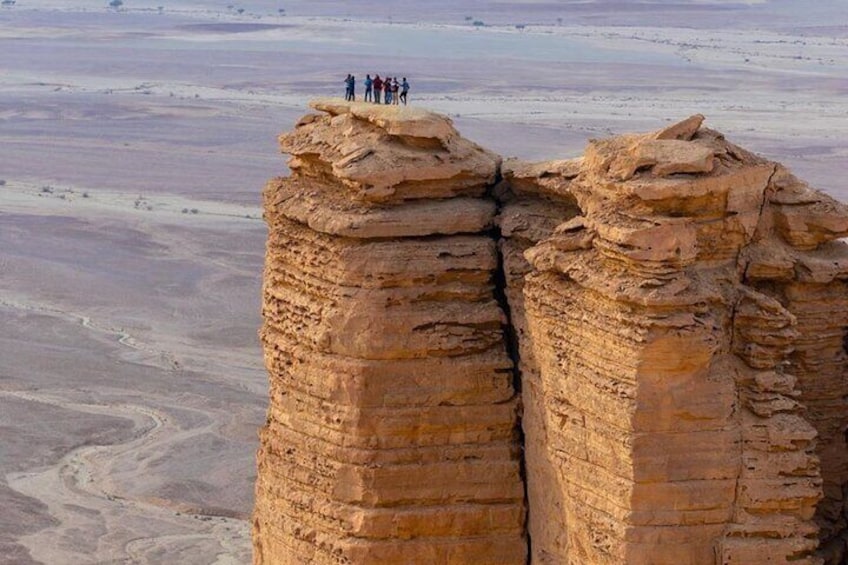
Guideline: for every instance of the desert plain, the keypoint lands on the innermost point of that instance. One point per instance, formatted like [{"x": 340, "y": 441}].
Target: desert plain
[{"x": 135, "y": 143}]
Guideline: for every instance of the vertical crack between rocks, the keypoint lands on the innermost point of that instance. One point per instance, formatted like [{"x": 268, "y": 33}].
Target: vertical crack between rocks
[
  {"x": 510, "y": 335},
  {"x": 743, "y": 270},
  {"x": 511, "y": 345}
]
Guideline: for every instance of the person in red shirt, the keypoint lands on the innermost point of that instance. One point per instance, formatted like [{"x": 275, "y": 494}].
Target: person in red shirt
[{"x": 378, "y": 88}]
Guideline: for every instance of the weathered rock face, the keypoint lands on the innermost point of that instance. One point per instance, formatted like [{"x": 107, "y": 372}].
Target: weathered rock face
[
  {"x": 534, "y": 200},
  {"x": 392, "y": 432},
  {"x": 675, "y": 354},
  {"x": 678, "y": 307}
]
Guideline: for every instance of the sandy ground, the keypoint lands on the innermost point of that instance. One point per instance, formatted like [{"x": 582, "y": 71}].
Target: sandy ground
[
  {"x": 131, "y": 386},
  {"x": 134, "y": 148}
]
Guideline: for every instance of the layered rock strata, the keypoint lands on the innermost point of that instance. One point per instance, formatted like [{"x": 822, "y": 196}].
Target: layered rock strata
[
  {"x": 807, "y": 271},
  {"x": 677, "y": 314},
  {"x": 676, "y": 356},
  {"x": 534, "y": 199},
  {"x": 392, "y": 431}
]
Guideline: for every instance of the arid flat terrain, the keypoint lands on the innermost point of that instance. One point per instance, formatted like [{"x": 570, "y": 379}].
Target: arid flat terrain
[{"x": 136, "y": 142}]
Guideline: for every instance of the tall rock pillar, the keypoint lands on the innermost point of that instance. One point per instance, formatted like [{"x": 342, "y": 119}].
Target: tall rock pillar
[
  {"x": 674, "y": 341},
  {"x": 391, "y": 436}
]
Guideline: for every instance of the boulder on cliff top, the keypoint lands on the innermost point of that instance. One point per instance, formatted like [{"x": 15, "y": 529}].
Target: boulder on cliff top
[
  {"x": 396, "y": 120},
  {"x": 386, "y": 155}
]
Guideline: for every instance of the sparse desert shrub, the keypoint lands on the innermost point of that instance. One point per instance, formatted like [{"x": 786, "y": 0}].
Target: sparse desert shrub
[
  {"x": 2, "y": 182},
  {"x": 185, "y": 210},
  {"x": 8, "y": 3},
  {"x": 478, "y": 23},
  {"x": 116, "y": 3},
  {"x": 85, "y": 195},
  {"x": 194, "y": 210},
  {"x": 47, "y": 189}
]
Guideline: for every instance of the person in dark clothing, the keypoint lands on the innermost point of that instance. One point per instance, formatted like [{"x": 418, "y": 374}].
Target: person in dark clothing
[
  {"x": 395, "y": 88},
  {"x": 378, "y": 88},
  {"x": 387, "y": 90},
  {"x": 352, "y": 88},
  {"x": 347, "y": 87},
  {"x": 368, "y": 82},
  {"x": 404, "y": 89}
]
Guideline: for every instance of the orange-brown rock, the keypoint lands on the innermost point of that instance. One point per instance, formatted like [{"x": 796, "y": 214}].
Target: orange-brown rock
[
  {"x": 667, "y": 314},
  {"x": 392, "y": 430},
  {"x": 534, "y": 200},
  {"x": 674, "y": 325}
]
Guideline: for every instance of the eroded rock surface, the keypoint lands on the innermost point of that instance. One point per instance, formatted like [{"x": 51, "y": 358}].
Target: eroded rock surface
[
  {"x": 677, "y": 315},
  {"x": 392, "y": 430},
  {"x": 674, "y": 325},
  {"x": 534, "y": 199}
]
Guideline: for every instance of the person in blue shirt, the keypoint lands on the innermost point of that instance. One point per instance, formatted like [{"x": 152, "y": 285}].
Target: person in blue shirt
[
  {"x": 352, "y": 88},
  {"x": 404, "y": 89},
  {"x": 368, "y": 82},
  {"x": 347, "y": 87}
]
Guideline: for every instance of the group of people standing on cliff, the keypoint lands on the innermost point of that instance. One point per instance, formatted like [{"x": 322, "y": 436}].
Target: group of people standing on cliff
[{"x": 377, "y": 90}]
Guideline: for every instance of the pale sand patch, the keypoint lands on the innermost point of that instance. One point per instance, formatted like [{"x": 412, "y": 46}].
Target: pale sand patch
[
  {"x": 29, "y": 197},
  {"x": 82, "y": 478}
]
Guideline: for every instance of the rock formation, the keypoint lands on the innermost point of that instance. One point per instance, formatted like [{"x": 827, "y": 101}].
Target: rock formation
[
  {"x": 392, "y": 434},
  {"x": 677, "y": 314},
  {"x": 534, "y": 200},
  {"x": 666, "y": 322}
]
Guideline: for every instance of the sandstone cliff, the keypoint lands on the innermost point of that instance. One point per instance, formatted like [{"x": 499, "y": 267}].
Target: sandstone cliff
[
  {"x": 534, "y": 199},
  {"x": 392, "y": 431},
  {"x": 675, "y": 354},
  {"x": 675, "y": 309}
]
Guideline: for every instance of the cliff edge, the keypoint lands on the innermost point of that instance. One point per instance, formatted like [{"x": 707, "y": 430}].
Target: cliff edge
[
  {"x": 392, "y": 435},
  {"x": 635, "y": 356},
  {"x": 682, "y": 415}
]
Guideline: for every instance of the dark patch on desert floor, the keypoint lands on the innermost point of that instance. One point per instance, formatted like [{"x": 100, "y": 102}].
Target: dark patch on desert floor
[{"x": 135, "y": 148}]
